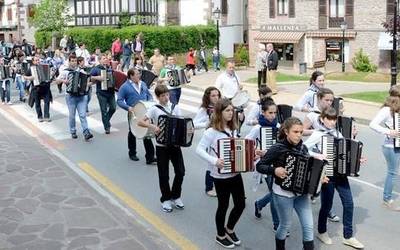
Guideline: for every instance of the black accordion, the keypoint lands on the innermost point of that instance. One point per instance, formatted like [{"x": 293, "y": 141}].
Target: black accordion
[
  {"x": 345, "y": 126},
  {"x": 175, "y": 131},
  {"x": 337, "y": 104},
  {"x": 109, "y": 82},
  {"x": 268, "y": 136},
  {"x": 178, "y": 77},
  {"x": 41, "y": 74},
  {"x": 237, "y": 153},
  {"x": 284, "y": 112},
  {"x": 304, "y": 174},
  {"x": 77, "y": 83},
  {"x": 147, "y": 77},
  {"x": 5, "y": 72},
  {"x": 343, "y": 155}
]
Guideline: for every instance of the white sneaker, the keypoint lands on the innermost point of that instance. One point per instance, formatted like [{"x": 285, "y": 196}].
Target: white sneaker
[
  {"x": 390, "y": 205},
  {"x": 353, "y": 242},
  {"x": 178, "y": 203},
  {"x": 166, "y": 206},
  {"x": 211, "y": 193},
  {"x": 9, "y": 103},
  {"x": 325, "y": 238}
]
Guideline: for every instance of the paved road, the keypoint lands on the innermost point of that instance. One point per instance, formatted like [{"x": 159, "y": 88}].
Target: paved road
[{"x": 107, "y": 154}]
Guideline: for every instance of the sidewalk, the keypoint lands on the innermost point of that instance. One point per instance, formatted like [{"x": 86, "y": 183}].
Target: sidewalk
[
  {"x": 290, "y": 92},
  {"x": 44, "y": 205}
]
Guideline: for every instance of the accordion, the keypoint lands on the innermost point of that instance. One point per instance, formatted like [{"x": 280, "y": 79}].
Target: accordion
[
  {"x": 268, "y": 137},
  {"x": 396, "y": 121},
  {"x": 304, "y": 174},
  {"x": 343, "y": 155},
  {"x": 337, "y": 104},
  {"x": 77, "y": 83},
  {"x": 178, "y": 77},
  {"x": 238, "y": 155},
  {"x": 284, "y": 112},
  {"x": 175, "y": 131},
  {"x": 109, "y": 82},
  {"x": 5, "y": 72},
  {"x": 40, "y": 73},
  {"x": 147, "y": 77},
  {"x": 345, "y": 126}
]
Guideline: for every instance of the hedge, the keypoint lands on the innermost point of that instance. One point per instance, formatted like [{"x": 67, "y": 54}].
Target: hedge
[{"x": 169, "y": 39}]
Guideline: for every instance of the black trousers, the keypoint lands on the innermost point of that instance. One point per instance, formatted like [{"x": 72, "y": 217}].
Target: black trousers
[
  {"x": 148, "y": 146},
  {"x": 262, "y": 77},
  {"x": 164, "y": 155},
  {"x": 225, "y": 188}
]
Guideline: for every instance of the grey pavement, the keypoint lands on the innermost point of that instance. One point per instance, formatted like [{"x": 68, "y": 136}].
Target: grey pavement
[{"x": 45, "y": 205}]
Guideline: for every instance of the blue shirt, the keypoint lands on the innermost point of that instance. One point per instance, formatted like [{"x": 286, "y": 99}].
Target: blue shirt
[{"x": 128, "y": 96}]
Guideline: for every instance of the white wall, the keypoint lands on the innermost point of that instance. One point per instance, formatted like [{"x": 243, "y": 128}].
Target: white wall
[
  {"x": 228, "y": 36},
  {"x": 193, "y": 12},
  {"x": 162, "y": 12}
]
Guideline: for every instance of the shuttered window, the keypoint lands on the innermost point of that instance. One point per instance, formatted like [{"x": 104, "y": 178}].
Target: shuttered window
[
  {"x": 292, "y": 9},
  {"x": 323, "y": 17},
  {"x": 271, "y": 8},
  {"x": 389, "y": 9},
  {"x": 350, "y": 14}
]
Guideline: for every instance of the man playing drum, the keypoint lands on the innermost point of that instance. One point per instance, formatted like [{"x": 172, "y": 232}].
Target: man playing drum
[{"x": 130, "y": 93}]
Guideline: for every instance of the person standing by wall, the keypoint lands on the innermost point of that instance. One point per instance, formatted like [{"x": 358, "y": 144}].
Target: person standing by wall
[
  {"x": 261, "y": 66},
  {"x": 272, "y": 65}
]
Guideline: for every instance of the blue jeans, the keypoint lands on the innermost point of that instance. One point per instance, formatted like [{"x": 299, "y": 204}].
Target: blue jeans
[
  {"x": 285, "y": 206},
  {"x": 392, "y": 157},
  {"x": 89, "y": 97},
  {"x": 216, "y": 65},
  {"x": 20, "y": 84},
  {"x": 341, "y": 184},
  {"x": 175, "y": 95},
  {"x": 75, "y": 103},
  {"x": 6, "y": 93},
  {"x": 126, "y": 61},
  {"x": 209, "y": 181},
  {"x": 261, "y": 203},
  {"x": 107, "y": 107}
]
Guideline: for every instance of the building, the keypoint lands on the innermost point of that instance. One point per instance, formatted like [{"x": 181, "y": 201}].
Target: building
[
  {"x": 309, "y": 31},
  {"x": 14, "y": 24}
]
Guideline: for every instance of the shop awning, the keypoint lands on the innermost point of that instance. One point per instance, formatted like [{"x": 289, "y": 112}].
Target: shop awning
[
  {"x": 331, "y": 34},
  {"x": 385, "y": 41},
  {"x": 279, "y": 37}
]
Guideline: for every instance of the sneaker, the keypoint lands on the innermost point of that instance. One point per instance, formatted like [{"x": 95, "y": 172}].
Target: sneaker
[
  {"x": 313, "y": 200},
  {"x": 324, "y": 237},
  {"x": 47, "y": 119},
  {"x": 257, "y": 211},
  {"x": 4, "y": 103},
  {"x": 152, "y": 162},
  {"x": 166, "y": 206},
  {"x": 390, "y": 205},
  {"x": 74, "y": 136},
  {"x": 107, "y": 131},
  {"x": 178, "y": 203},
  {"x": 353, "y": 242},
  {"x": 211, "y": 193},
  {"x": 88, "y": 136},
  {"x": 333, "y": 217},
  {"x": 225, "y": 242},
  {"x": 9, "y": 103},
  {"x": 232, "y": 238},
  {"x": 40, "y": 119}
]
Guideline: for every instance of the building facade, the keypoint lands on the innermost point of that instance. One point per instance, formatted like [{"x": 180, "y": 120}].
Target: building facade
[{"x": 309, "y": 30}]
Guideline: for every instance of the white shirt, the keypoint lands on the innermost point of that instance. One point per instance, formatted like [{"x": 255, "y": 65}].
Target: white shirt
[
  {"x": 227, "y": 84},
  {"x": 154, "y": 112},
  {"x": 252, "y": 116},
  {"x": 83, "y": 53},
  {"x": 308, "y": 99},
  {"x": 201, "y": 120},
  {"x": 383, "y": 123},
  {"x": 207, "y": 148},
  {"x": 137, "y": 87}
]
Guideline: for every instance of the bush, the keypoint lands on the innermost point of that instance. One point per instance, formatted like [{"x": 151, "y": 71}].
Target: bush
[
  {"x": 242, "y": 55},
  {"x": 169, "y": 39},
  {"x": 362, "y": 63}
]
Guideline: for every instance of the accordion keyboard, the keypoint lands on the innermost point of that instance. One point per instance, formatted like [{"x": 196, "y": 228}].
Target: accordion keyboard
[
  {"x": 327, "y": 149},
  {"x": 225, "y": 147}
]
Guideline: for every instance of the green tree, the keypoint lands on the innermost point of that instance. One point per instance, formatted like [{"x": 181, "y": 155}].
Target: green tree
[{"x": 51, "y": 15}]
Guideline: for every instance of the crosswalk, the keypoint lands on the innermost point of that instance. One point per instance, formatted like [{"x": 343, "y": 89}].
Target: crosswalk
[{"x": 58, "y": 129}]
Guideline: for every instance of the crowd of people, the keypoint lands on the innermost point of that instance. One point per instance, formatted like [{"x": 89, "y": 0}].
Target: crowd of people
[{"x": 220, "y": 118}]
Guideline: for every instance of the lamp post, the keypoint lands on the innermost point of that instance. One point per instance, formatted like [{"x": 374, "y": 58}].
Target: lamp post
[
  {"x": 343, "y": 27},
  {"x": 217, "y": 16},
  {"x": 393, "y": 67}
]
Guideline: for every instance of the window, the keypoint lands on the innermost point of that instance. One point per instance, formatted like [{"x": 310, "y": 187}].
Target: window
[
  {"x": 224, "y": 7},
  {"x": 31, "y": 11},
  {"x": 336, "y": 8},
  {"x": 283, "y": 7},
  {"x": 9, "y": 14}
]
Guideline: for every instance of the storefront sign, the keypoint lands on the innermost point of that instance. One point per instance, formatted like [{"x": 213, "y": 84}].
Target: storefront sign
[{"x": 282, "y": 27}]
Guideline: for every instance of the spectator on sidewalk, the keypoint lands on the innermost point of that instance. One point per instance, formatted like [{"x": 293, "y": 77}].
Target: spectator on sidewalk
[
  {"x": 216, "y": 59},
  {"x": 63, "y": 43},
  {"x": 138, "y": 46},
  {"x": 157, "y": 60},
  {"x": 83, "y": 52},
  {"x": 190, "y": 61},
  {"x": 272, "y": 65},
  {"x": 116, "y": 49},
  {"x": 126, "y": 55},
  {"x": 261, "y": 59},
  {"x": 203, "y": 59}
]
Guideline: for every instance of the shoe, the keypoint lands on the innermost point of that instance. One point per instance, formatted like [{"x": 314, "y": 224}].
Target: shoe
[
  {"x": 88, "y": 113},
  {"x": 178, "y": 203},
  {"x": 88, "y": 136},
  {"x": 4, "y": 103},
  {"x": 152, "y": 162},
  {"x": 232, "y": 238},
  {"x": 40, "y": 119},
  {"x": 47, "y": 119},
  {"x": 225, "y": 242},
  {"x": 74, "y": 136},
  {"x": 133, "y": 158},
  {"x": 166, "y": 206},
  {"x": 324, "y": 237},
  {"x": 107, "y": 131},
  {"x": 211, "y": 193},
  {"x": 390, "y": 205},
  {"x": 257, "y": 211},
  {"x": 9, "y": 103},
  {"x": 313, "y": 200},
  {"x": 333, "y": 217},
  {"x": 353, "y": 242}
]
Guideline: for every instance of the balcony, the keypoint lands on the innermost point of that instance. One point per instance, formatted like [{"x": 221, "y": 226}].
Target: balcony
[{"x": 334, "y": 22}]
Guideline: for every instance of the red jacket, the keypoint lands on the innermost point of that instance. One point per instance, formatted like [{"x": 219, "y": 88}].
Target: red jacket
[
  {"x": 190, "y": 58},
  {"x": 116, "y": 47}
]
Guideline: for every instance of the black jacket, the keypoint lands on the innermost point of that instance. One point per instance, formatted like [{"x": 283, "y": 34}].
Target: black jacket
[
  {"x": 276, "y": 157},
  {"x": 272, "y": 60}
]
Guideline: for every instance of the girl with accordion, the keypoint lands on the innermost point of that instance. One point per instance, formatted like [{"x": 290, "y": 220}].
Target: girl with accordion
[
  {"x": 273, "y": 163},
  {"x": 202, "y": 120},
  {"x": 223, "y": 126},
  {"x": 308, "y": 101},
  {"x": 327, "y": 127}
]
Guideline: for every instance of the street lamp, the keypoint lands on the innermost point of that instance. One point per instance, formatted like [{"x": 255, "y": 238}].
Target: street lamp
[
  {"x": 217, "y": 16},
  {"x": 393, "y": 67},
  {"x": 343, "y": 27}
]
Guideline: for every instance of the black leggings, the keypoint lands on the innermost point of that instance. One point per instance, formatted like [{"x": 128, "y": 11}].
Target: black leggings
[{"x": 224, "y": 188}]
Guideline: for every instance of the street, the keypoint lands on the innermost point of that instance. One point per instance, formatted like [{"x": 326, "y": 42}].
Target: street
[{"x": 375, "y": 227}]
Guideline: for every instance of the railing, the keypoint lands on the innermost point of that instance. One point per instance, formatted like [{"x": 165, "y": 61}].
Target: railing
[{"x": 334, "y": 22}]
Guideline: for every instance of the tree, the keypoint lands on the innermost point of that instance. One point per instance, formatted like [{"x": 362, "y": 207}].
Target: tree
[
  {"x": 388, "y": 25},
  {"x": 51, "y": 15}
]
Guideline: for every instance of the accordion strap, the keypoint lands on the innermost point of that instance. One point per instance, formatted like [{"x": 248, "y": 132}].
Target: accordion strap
[{"x": 164, "y": 110}]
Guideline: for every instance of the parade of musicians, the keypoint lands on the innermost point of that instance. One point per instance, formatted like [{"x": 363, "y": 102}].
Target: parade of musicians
[{"x": 199, "y": 124}]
